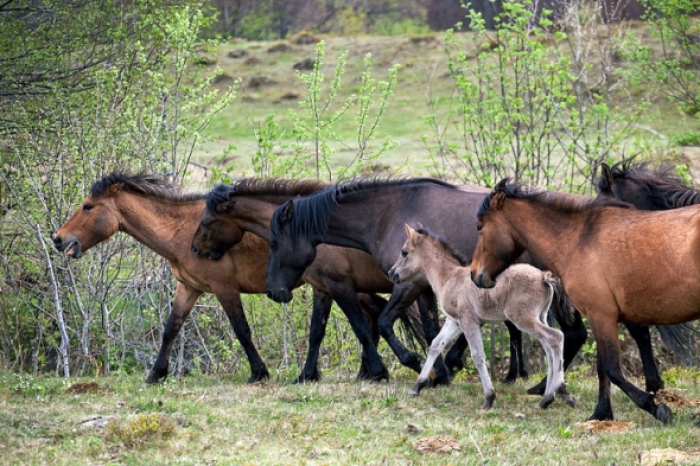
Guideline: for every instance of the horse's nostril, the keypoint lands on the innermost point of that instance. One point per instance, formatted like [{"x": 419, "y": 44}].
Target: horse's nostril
[{"x": 57, "y": 240}]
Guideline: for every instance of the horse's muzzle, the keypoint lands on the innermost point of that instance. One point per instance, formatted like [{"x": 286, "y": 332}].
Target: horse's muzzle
[
  {"x": 393, "y": 276},
  {"x": 70, "y": 247},
  {"x": 283, "y": 295},
  {"x": 482, "y": 281}
]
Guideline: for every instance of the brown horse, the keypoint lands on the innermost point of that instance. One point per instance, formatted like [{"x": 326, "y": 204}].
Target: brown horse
[
  {"x": 523, "y": 296},
  {"x": 617, "y": 264},
  {"x": 159, "y": 216}
]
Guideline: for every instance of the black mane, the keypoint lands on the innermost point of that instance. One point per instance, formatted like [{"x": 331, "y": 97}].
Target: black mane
[
  {"x": 261, "y": 186},
  {"x": 446, "y": 246},
  {"x": 143, "y": 184},
  {"x": 561, "y": 201},
  {"x": 312, "y": 213},
  {"x": 666, "y": 189}
]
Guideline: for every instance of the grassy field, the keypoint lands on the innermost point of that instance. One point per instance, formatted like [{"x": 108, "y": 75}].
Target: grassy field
[{"x": 222, "y": 420}]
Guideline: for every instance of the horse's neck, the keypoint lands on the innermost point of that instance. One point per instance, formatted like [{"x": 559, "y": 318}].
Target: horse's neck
[
  {"x": 254, "y": 214},
  {"x": 354, "y": 224},
  {"x": 440, "y": 270},
  {"x": 165, "y": 227},
  {"x": 546, "y": 234}
]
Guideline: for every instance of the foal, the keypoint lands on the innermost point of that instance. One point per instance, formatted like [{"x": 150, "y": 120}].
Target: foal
[{"x": 523, "y": 298}]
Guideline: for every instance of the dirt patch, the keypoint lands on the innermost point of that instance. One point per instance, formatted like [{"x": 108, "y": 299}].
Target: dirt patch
[
  {"x": 84, "y": 387},
  {"x": 238, "y": 53},
  {"x": 666, "y": 456},
  {"x": 280, "y": 48},
  {"x": 436, "y": 444},
  {"x": 260, "y": 81},
  {"x": 596, "y": 427},
  {"x": 306, "y": 64},
  {"x": 305, "y": 38},
  {"x": 672, "y": 398},
  {"x": 252, "y": 61}
]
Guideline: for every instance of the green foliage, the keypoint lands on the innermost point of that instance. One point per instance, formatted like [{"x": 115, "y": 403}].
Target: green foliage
[
  {"x": 689, "y": 138},
  {"x": 144, "y": 429}
]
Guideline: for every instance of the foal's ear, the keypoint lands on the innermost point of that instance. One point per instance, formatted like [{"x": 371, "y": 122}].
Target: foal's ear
[
  {"x": 498, "y": 200},
  {"x": 410, "y": 232},
  {"x": 288, "y": 211},
  {"x": 227, "y": 205}
]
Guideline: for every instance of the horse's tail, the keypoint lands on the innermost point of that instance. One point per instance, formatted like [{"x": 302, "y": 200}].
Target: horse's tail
[
  {"x": 680, "y": 339},
  {"x": 560, "y": 303},
  {"x": 413, "y": 326}
]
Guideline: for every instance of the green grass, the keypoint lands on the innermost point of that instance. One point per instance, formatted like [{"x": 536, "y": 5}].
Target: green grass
[{"x": 222, "y": 420}]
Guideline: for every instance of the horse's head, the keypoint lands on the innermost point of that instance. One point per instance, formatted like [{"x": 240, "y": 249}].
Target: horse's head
[
  {"x": 496, "y": 247},
  {"x": 616, "y": 182},
  {"x": 217, "y": 231},
  {"x": 290, "y": 254},
  {"x": 94, "y": 221},
  {"x": 407, "y": 266}
]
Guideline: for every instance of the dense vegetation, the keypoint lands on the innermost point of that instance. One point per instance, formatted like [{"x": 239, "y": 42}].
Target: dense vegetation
[{"x": 89, "y": 87}]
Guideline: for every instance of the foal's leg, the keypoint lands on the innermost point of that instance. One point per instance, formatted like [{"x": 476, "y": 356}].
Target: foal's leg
[
  {"x": 605, "y": 332},
  {"x": 447, "y": 336},
  {"x": 182, "y": 304},
  {"x": 322, "y": 303},
  {"x": 517, "y": 364},
  {"x": 231, "y": 302},
  {"x": 574, "y": 337},
  {"x": 641, "y": 336},
  {"x": 472, "y": 330}
]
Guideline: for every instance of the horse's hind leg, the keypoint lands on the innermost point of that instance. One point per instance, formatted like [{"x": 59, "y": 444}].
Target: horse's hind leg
[
  {"x": 574, "y": 337},
  {"x": 605, "y": 332},
  {"x": 472, "y": 331},
  {"x": 447, "y": 336},
  {"x": 182, "y": 304},
  {"x": 231, "y": 302},
  {"x": 641, "y": 336},
  {"x": 517, "y": 364},
  {"x": 322, "y": 303}
]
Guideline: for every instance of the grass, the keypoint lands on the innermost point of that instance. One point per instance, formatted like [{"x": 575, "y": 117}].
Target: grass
[{"x": 221, "y": 420}]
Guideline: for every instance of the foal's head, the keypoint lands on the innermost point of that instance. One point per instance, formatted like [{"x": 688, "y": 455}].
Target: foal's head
[
  {"x": 95, "y": 220},
  {"x": 419, "y": 246},
  {"x": 217, "y": 231}
]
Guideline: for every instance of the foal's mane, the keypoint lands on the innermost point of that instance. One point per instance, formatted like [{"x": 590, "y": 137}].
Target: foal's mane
[
  {"x": 564, "y": 202},
  {"x": 667, "y": 190},
  {"x": 261, "y": 186},
  {"x": 143, "y": 184},
  {"x": 312, "y": 213},
  {"x": 447, "y": 247}
]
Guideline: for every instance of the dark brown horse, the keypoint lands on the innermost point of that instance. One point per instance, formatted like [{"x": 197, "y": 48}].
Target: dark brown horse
[
  {"x": 247, "y": 206},
  {"x": 617, "y": 264},
  {"x": 371, "y": 215},
  {"x": 159, "y": 216}
]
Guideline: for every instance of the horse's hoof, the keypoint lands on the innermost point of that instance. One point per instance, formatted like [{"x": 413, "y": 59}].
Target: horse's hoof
[
  {"x": 570, "y": 401},
  {"x": 564, "y": 395},
  {"x": 413, "y": 393},
  {"x": 380, "y": 378},
  {"x": 538, "y": 389},
  {"x": 263, "y": 374},
  {"x": 601, "y": 416},
  {"x": 663, "y": 413},
  {"x": 154, "y": 378},
  {"x": 488, "y": 401},
  {"x": 509, "y": 380},
  {"x": 523, "y": 375},
  {"x": 419, "y": 385},
  {"x": 546, "y": 401}
]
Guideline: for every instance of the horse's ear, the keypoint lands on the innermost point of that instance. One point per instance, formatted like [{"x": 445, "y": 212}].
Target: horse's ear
[
  {"x": 410, "y": 232},
  {"x": 114, "y": 188},
  {"x": 288, "y": 211},
  {"x": 498, "y": 200},
  {"x": 606, "y": 176},
  {"x": 228, "y": 205}
]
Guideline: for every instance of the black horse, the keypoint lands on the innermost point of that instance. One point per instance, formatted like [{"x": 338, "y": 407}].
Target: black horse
[{"x": 371, "y": 215}]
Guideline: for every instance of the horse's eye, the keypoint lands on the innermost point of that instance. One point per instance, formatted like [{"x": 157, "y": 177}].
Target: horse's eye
[
  {"x": 479, "y": 226},
  {"x": 87, "y": 207},
  {"x": 404, "y": 253}
]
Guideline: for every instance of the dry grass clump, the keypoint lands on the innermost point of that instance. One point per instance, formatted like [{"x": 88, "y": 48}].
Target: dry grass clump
[
  {"x": 673, "y": 398},
  {"x": 143, "y": 429},
  {"x": 596, "y": 427},
  {"x": 436, "y": 444}
]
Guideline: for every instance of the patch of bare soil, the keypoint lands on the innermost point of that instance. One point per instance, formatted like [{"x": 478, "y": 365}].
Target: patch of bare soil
[
  {"x": 667, "y": 456},
  {"x": 84, "y": 387},
  {"x": 436, "y": 444},
  {"x": 596, "y": 427},
  {"x": 672, "y": 397}
]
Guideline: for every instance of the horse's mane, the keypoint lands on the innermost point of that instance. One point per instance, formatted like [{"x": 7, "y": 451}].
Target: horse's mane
[
  {"x": 666, "y": 189},
  {"x": 565, "y": 202},
  {"x": 143, "y": 184},
  {"x": 447, "y": 247},
  {"x": 260, "y": 186},
  {"x": 312, "y": 213}
]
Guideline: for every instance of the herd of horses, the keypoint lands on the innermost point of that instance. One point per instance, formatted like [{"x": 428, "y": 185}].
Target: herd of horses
[{"x": 616, "y": 262}]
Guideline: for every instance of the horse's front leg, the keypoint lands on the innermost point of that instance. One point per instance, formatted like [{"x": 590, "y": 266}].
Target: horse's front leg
[
  {"x": 322, "y": 303},
  {"x": 231, "y": 302},
  {"x": 472, "y": 330},
  {"x": 447, "y": 336},
  {"x": 641, "y": 336},
  {"x": 182, "y": 304},
  {"x": 605, "y": 332}
]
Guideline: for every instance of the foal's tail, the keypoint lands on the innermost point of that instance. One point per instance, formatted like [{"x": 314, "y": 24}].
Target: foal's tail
[
  {"x": 561, "y": 304},
  {"x": 413, "y": 326},
  {"x": 681, "y": 340}
]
